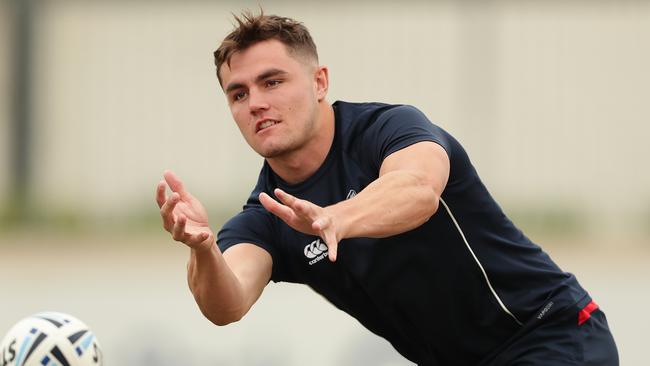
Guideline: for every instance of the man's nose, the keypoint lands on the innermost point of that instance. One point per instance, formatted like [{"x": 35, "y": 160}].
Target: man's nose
[{"x": 257, "y": 101}]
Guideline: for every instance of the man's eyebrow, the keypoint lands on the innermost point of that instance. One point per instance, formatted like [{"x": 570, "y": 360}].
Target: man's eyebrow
[
  {"x": 270, "y": 73},
  {"x": 233, "y": 86},
  {"x": 265, "y": 75}
]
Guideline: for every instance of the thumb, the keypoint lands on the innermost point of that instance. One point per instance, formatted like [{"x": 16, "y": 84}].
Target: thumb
[
  {"x": 332, "y": 249},
  {"x": 324, "y": 226}
]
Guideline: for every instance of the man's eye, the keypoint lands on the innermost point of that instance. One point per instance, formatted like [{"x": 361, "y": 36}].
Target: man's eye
[
  {"x": 271, "y": 83},
  {"x": 239, "y": 96}
]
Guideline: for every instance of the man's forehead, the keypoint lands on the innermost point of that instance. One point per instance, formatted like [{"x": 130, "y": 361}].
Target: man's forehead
[
  {"x": 254, "y": 59},
  {"x": 264, "y": 47},
  {"x": 258, "y": 59}
]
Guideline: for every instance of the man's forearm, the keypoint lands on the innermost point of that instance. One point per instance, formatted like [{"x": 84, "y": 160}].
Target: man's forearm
[
  {"x": 396, "y": 202},
  {"x": 215, "y": 287}
]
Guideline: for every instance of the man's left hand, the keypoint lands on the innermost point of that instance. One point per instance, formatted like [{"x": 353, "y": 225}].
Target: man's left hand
[{"x": 305, "y": 217}]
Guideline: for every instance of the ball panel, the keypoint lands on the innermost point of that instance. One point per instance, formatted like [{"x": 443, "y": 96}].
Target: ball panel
[{"x": 48, "y": 339}]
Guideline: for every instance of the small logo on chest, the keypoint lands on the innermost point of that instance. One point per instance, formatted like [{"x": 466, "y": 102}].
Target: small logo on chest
[
  {"x": 351, "y": 194},
  {"x": 316, "y": 251}
]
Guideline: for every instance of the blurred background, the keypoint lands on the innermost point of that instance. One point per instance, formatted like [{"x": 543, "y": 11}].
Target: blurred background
[{"x": 97, "y": 98}]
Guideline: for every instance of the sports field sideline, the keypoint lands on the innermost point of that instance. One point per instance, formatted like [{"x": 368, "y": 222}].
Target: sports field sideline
[{"x": 133, "y": 294}]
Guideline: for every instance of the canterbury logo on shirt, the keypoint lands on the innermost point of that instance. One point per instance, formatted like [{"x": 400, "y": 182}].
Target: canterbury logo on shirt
[{"x": 316, "y": 251}]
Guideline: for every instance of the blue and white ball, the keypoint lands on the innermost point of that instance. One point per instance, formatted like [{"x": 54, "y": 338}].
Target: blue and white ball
[{"x": 50, "y": 339}]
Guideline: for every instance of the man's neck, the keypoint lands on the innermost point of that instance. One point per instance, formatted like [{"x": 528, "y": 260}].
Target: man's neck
[{"x": 299, "y": 165}]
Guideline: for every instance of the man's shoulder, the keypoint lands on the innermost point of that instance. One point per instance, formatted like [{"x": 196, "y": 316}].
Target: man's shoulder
[
  {"x": 356, "y": 110},
  {"x": 360, "y": 105},
  {"x": 369, "y": 112}
]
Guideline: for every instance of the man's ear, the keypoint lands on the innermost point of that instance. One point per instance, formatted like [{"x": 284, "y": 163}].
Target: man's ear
[{"x": 321, "y": 78}]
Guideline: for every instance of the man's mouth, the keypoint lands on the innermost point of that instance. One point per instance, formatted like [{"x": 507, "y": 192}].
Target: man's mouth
[{"x": 266, "y": 124}]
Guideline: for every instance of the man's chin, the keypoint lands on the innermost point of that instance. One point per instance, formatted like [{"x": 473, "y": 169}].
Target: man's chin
[
  {"x": 277, "y": 152},
  {"x": 273, "y": 153}
]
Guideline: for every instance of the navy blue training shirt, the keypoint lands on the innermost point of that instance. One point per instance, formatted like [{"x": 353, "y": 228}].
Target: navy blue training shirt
[{"x": 449, "y": 292}]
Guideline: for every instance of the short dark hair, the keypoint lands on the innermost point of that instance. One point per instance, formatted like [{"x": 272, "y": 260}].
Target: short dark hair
[{"x": 251, "y": 29}]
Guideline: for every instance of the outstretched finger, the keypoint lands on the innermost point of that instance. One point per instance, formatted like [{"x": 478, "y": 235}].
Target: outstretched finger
[
  {"x": 305, "y": 209},
  {"x": 283, "y": 212},
  {"x": 174, "y": 182},
  {"x": 178, "y": 232},
  {"x": 285, "y": 197},
  {"x": 161, "y": 197},
  {"x": 167, "y": 211},
  {"x": 302, "y": 208}
]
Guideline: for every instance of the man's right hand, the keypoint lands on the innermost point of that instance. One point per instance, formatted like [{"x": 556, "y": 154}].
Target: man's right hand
[
  {"x": 225, "y": 286},
  {"x": 183, "y": 215}
]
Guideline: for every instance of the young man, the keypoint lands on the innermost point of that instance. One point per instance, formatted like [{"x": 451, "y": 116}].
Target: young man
[{"x": 382, "y": 213}]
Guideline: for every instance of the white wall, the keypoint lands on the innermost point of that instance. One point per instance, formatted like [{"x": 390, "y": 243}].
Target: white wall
[{"x": 549, "y": 99}]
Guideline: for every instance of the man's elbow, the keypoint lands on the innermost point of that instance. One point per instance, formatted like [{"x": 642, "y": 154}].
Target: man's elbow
[
  {"x": 222, "y": 318},
  {"x": 434, "y": 200},
  {"x": 428, "y": 195},
  {"x": 429, "y": 198},
  {"x": 430, "y": 203},
  {"x": 219, "y": 313}
]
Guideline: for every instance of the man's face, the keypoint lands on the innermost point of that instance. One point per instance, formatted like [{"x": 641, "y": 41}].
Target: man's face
[{"x": 273, "y": 97}]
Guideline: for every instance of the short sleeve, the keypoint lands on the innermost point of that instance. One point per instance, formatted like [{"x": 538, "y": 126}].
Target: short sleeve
[
  {"x": 399, "y": 127},
  {"x": 253, "y": 225}
]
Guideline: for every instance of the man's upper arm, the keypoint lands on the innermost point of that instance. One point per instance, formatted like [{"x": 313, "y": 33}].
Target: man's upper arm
[
  {"x": 426, "y": 159},
  {"x": 252, "y": 265}
]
